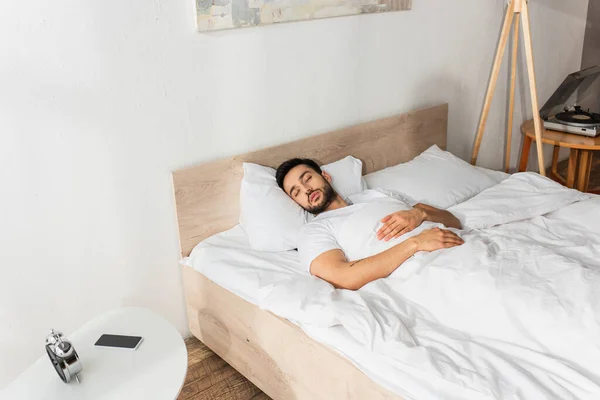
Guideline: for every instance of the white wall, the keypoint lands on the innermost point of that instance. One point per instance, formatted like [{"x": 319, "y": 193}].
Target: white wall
[{"x": 101, "y": 100}]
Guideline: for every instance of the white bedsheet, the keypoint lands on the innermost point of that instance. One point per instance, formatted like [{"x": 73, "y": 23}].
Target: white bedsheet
[{"x": 514, "y": 313}]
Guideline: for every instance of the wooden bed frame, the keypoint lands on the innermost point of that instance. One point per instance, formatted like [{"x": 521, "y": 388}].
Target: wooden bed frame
[{"x": 270, "y": 351}]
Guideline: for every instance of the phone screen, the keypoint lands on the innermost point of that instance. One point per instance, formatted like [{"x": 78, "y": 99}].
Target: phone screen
[{"x": 126, "y": 342}]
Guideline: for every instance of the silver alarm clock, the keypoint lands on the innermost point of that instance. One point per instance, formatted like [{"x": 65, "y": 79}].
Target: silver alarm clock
[{"x": 63, "y": 356}]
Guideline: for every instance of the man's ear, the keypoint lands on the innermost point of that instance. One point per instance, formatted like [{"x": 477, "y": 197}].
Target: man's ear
[{"x": 326, "y": 176}]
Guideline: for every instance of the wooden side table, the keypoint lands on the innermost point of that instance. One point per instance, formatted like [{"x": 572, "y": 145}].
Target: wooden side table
[{"x": 580, "y": 158}]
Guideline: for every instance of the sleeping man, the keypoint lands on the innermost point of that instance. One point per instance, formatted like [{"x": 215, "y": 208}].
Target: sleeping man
[{"x": 354, "y": 241}]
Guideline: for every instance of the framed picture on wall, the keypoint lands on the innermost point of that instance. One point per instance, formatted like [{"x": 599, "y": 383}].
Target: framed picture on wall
[{"x": 227, "y": 14}]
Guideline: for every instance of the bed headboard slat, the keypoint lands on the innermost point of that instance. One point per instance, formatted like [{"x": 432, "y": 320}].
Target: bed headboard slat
[{"x": 207, "y": 195}]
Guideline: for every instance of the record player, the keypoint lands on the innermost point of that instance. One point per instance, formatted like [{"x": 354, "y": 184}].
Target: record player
[{"x": 575, "y": 105}]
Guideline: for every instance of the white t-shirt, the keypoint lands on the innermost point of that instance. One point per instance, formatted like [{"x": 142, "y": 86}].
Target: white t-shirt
[{"x": 352, "y": 229}]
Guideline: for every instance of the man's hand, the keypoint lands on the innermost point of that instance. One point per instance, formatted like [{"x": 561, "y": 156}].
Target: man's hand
[
  {"x": 436, "y": 238},
  {"x": 399, "y": 223}
]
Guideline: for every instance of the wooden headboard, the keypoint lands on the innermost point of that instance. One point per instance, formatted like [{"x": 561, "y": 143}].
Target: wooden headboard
[{"x": 207, "y": 195}]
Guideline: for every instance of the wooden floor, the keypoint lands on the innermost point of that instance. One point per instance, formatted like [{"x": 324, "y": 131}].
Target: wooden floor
[{"x": 211, "y": 378}]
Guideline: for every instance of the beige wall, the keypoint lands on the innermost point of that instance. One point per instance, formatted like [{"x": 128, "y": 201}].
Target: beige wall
[{"x": 591, "y": 44}]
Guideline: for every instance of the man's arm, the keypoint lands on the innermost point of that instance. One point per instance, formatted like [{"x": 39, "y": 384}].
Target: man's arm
[
  {"x": 401, "y": 222},
  {"x": 333, "y": 267},
  {"x": 436, "y": 215}
]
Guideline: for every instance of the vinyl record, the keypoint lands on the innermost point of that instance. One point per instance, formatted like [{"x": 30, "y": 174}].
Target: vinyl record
[{"x": 577, "y": 118}]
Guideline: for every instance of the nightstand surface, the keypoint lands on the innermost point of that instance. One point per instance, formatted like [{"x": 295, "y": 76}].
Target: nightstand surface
[{"x": 156, "y": 370}]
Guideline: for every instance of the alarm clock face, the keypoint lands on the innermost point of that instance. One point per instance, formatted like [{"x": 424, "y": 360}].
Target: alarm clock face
[
  {"x": 57, "y": 363},
  {"x": 63, "y": 349}
]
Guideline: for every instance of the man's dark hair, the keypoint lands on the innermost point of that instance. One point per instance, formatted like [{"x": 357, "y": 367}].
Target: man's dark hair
[{"x": 286, "y": 166}]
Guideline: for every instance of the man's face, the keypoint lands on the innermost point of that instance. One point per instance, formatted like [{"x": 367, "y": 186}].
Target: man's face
[{"x": 311, "y": 190}]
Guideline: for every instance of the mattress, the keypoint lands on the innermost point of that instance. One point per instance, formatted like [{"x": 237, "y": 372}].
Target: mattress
[{"x": 512, "y": 313}]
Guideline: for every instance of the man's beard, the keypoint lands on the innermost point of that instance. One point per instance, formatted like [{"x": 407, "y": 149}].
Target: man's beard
[{"x": 327, "y": 196}]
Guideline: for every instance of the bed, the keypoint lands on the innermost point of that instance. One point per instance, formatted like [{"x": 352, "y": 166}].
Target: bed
[
  {"x": 514, "y": 312},
  {"x": 270, "y": 351}
]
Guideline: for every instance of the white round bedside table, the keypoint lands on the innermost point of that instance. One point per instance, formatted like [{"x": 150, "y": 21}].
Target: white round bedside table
[{"x": 156, "y": 370}]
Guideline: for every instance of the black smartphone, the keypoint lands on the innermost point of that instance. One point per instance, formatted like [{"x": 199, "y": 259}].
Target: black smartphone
[{"x": 121, "y": 341}]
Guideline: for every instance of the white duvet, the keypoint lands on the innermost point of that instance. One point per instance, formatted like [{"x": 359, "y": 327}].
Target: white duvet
[{"x": 514, "y": 313}]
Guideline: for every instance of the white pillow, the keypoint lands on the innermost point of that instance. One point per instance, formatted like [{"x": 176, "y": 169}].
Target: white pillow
[
  {"x": 270, "y": 218},
  {"x": 346, "y": 176},
  {"x": 435, "y": 177}
]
